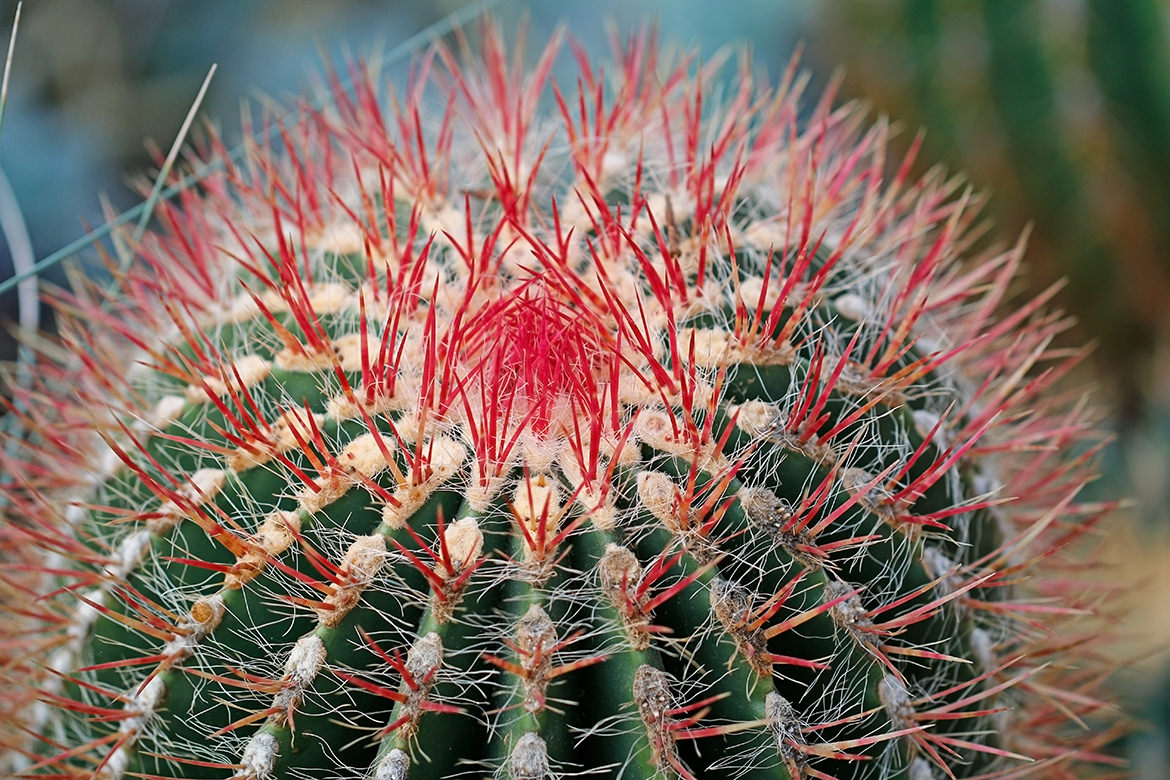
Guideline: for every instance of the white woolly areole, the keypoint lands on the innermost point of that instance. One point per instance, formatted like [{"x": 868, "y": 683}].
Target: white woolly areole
[
  {"x": 143, "y": 705},
  {"x": 305, "y": 659},
  {"x": 204, "y": 485},
  {"x": 362, "y": 561},
  {"x": 239, "y": 309},
  {"x": 167, "y": 410},
  {"x": 365, "y": 454},
  {"x": 464, "y": 542},
  {"x": 529, "y": 759},
  {"x": 348, "y": 349},
  {"x": 852, "y": 306},
  {"x": 896, "y": 700},
  {"x": 86, "y": 614},
  {"x": 919, "y": 769},
  {"x": 248, "y": 370},
  {"x": 983, "y": 649},
  {"x": 446, "y": 456},
  {"x": 925, "y": 422},
  {"x": 130, "y": 553},
  {"x": 394, "y": 766},
  {"x": 205, "y": 615},
  {"x": 425, "y": 656},
  {"x": 756, "y": 418},
  {"x": 657, "y": 492},
  {"x": 537, "y": 504},
  {"x": 259, "y": 758},
  {"x": 300, "y": 669}
]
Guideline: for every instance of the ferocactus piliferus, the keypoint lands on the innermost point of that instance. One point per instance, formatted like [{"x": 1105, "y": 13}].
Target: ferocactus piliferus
[{"x": 624, "y": 427}]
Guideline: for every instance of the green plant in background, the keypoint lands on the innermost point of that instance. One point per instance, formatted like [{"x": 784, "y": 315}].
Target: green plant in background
[
  {"x": 498, "y": 428},
  {"x": 1064, "y": 110}
]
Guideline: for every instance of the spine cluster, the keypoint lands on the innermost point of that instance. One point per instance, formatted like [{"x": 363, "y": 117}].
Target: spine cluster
[{"x": 501, "y": 429}]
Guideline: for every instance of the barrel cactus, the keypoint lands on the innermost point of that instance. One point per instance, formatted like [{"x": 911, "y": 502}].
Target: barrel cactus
[{"x": 505, "y": 429}]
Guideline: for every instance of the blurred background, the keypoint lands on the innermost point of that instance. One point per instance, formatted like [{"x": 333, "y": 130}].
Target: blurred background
[{"x": 1058, "y": 109}]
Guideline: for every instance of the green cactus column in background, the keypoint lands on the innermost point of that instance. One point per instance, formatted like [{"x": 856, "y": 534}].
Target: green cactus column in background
[
  {"x": 622, "y": 428},
  {"x": 1061, "y": 109}
]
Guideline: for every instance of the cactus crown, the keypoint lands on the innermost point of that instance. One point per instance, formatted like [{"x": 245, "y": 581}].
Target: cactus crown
[{"x": 503, "y": 429}]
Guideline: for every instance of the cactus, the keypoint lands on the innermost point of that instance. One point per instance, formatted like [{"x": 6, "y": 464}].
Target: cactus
[{"x": 500, "y": 429}]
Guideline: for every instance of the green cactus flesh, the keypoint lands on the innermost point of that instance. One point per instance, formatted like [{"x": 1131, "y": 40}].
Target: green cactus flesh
[{"x": 503, "y": 432}]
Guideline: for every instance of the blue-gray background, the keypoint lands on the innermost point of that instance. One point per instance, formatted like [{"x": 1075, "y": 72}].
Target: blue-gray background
[{"x": 92, "y": 79}]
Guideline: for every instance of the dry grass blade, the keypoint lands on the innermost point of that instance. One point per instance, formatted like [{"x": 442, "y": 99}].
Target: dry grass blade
[
  {"x": 165, "y": 171},
  {"x": 8, "y": 62}
]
